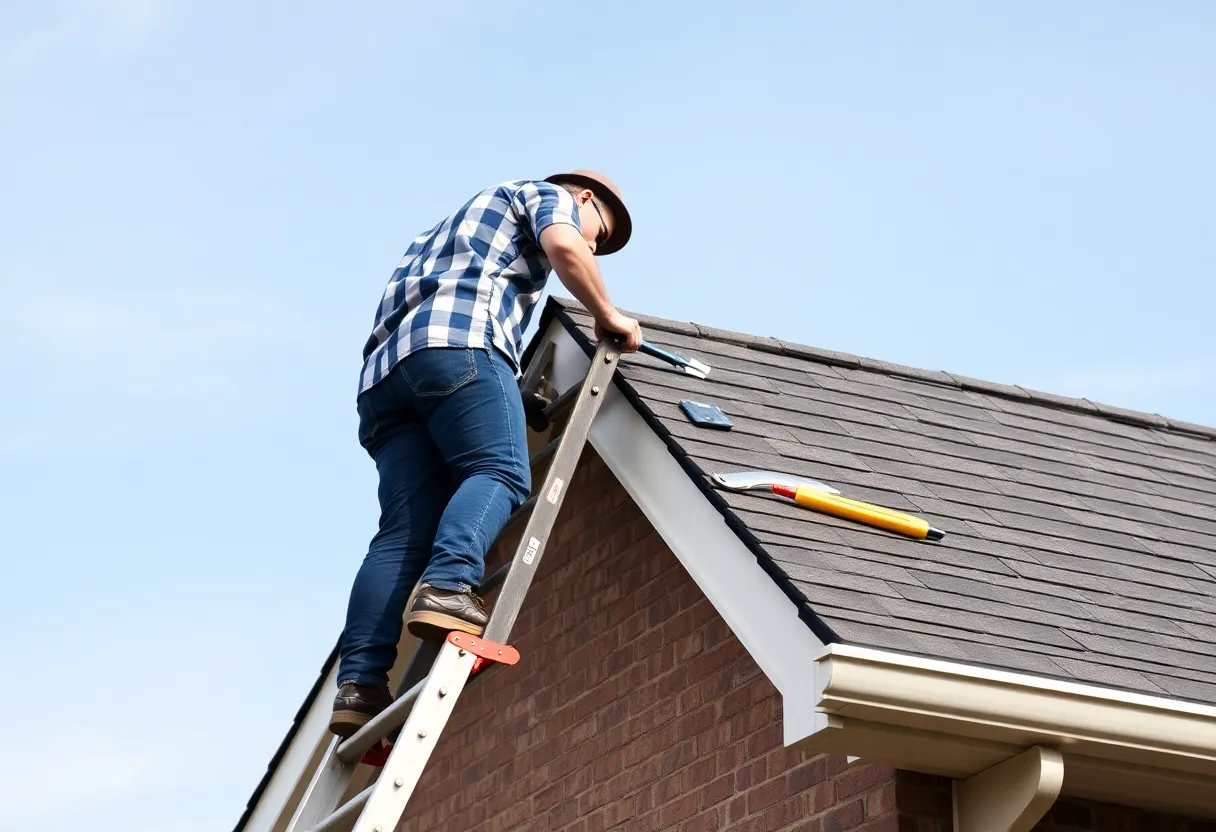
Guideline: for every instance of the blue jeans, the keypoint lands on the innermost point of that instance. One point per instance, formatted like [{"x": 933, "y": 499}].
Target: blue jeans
[{"x": 446, "y": 429}]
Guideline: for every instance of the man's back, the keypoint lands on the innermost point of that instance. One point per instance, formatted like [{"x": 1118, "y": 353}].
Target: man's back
[{"x": 472, "y": 280}]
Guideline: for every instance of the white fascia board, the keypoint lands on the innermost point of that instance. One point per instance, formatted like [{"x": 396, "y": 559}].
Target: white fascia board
[
  {"x": 950, "y": 718},
  {"x": 762, "y": 617},
  {"x": 1009, "y": 677}
]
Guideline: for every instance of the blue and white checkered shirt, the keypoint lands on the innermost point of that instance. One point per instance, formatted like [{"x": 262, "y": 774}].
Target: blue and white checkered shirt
[{"x": 472, "y": 280}]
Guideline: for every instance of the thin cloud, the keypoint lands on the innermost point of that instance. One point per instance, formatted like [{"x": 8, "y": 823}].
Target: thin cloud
[
  {"x": 99, "y": 781},
  {"x": 81, "y": 27},
  {"x": 206, "y": 356},
  {"x": 128, "y": 343},
  {"x": 69, "y": 775}
]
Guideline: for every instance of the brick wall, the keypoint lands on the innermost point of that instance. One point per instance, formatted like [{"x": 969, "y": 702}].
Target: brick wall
[
  {"x": 925, "y": 806},
  {"x": 634, "y": 707}
]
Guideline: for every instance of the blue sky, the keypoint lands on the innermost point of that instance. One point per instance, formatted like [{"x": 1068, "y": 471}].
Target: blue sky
[{"x": 202, "y": 202}]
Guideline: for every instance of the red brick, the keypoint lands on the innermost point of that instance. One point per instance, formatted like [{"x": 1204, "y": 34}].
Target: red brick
[
  {"x": 763, "y": 796},
  {"x": 860, "y": 778},
  {"x": 718, "y": 790},
  {"x": 546, "y": 799},
  {"x": 697, "y": 722},
  {"x": 808, "y": 774},
  {"x": 881, "y": 800},
  {"x": 706, "y": 822},
  {"x": 635, "y": 707},
  {"x": 822, "y": 797},
  {"x": 843, "y": 818},
  {"x": 751, "y": 774},
  {"x": 670, "y": 814},
  {"x": 837, "y": 763},
  {"x": 788, "y": 811},
  {"x": 736, "y": 810}
]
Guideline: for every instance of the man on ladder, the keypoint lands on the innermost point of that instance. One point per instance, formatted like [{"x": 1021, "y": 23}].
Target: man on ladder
[{"x": 440, "y": 411}]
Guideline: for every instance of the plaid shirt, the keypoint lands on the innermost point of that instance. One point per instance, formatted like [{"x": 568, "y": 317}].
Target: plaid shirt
[{"x": 472, "y": 280}]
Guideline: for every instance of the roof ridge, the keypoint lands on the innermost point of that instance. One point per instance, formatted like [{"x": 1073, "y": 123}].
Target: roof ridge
[{"x": 945, "y": 379}]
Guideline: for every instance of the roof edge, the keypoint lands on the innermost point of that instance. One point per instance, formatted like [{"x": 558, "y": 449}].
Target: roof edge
[
  {"x": 959, "y": 719},
  {"x": 946, "y": 379}
]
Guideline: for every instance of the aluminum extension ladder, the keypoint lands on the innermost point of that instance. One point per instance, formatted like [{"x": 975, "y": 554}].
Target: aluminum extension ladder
[{"x": 439, "y": 671}]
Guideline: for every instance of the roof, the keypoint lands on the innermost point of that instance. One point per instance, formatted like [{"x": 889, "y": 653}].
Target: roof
[{"x": 1081, "y": 538}]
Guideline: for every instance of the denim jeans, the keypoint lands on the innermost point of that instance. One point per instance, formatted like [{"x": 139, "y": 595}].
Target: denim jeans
[{"x": 446, "y": 430}]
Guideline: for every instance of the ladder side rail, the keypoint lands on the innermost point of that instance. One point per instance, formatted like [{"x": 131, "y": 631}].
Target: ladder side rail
[
  {"x": 324, "y": 792},
  {"x": 423, "y": 658},
  {"x": 345, "y": 817},
  {"x": 403, "y": 769},
  {"x": 552, "y": 493},
  {"x": 395, "y": 715},
  {"x": 340, "y": 761},
  {"x": 410, "y": 753},
  {"x": 436, "y": 676}
]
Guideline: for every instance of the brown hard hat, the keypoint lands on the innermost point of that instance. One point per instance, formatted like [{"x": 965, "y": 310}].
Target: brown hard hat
[{"x": 608, "y": 193}]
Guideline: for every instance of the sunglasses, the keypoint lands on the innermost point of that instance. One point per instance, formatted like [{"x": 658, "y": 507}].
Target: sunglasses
[{"x": 602, "y": 237}]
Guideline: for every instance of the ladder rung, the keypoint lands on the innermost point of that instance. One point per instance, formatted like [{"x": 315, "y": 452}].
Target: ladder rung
[
  {"x": 563, "y": 401},
  {"x": 347, "y": 815},
  {"x": 554, "y": 408},
  {"x": 545, "y": 452},
  {"x": 390, "y": 718},
  {"x": 524, "y": 509},
  {"x": 442, "y": 669},
  {"x": 495, "y": 580},
  {"x": 491, "y": 583}
]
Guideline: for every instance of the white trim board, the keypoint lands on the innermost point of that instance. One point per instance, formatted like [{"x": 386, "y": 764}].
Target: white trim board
[
  {"x": 958, "y": 720},
  {"x": 761, "y": 616}
]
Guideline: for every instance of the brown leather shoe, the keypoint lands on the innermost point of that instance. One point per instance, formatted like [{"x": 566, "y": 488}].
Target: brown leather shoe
[
  {"x": 437, "y": 612},
  {"x": 355, "y": 705}
]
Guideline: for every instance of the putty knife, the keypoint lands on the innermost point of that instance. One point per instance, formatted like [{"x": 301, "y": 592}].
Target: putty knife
[{"x": 765, "y": 480}]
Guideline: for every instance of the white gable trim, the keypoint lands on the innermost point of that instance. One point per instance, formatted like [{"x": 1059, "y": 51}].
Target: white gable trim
[{"x": 761, "y": 616}]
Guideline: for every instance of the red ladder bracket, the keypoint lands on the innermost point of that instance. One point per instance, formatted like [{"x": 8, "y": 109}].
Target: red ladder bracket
[
  {"x": 485, "y": 651},
  {"x": 377, "y": 755}
]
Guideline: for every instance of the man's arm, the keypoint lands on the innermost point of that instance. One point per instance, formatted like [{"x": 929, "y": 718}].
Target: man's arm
[{"x": 575, "y": 265}]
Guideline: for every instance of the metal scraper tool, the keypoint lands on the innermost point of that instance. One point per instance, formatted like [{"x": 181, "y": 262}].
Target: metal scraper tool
[{"x": 764, "y": 480}]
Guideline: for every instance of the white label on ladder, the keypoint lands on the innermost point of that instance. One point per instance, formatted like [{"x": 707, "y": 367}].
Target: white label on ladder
[
  {"x": 530, "y": 552},
  {"x": 554, "y": 490}
]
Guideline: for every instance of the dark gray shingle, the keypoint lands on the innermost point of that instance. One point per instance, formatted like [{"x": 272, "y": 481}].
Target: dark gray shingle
[{"x": 1081, "y": 538}]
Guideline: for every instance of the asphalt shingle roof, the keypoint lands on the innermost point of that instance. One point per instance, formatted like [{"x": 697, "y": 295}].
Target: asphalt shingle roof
[{"x": 1081, "y": 538}]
